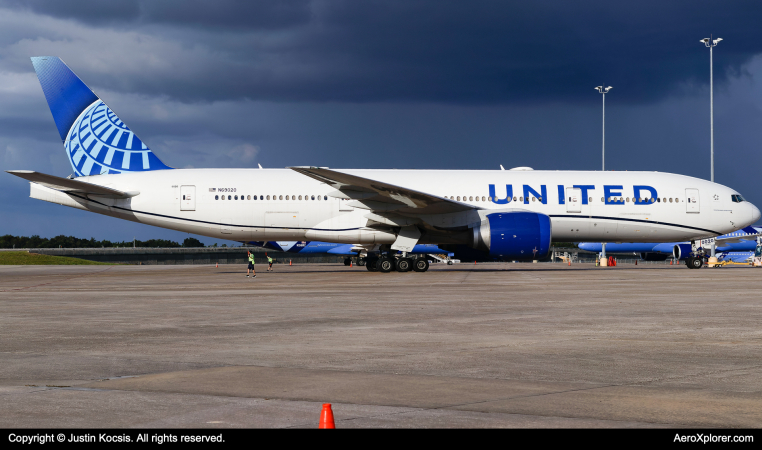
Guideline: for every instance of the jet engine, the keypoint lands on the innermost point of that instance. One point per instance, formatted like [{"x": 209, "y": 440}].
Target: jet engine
[
  {"x": 653, "y": 256},
  {"x": 682, "y": 251},
  {"x": 516, "y": 235}
]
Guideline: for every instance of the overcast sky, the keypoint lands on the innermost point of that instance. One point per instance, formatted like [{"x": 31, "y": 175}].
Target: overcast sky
[{"x": 385, "y": 84}]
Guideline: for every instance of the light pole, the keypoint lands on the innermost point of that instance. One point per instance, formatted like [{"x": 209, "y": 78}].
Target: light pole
[
  {"x": 711, "y": 43},
  {"x": 603, "y": 91}
]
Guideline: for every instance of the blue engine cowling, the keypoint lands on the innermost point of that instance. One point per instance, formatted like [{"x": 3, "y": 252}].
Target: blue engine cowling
[
  {"x": 517, "y": 235},
  {"x": 682, "y": 251}
]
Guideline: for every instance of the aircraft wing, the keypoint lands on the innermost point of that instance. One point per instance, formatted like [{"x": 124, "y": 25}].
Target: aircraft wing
[
  {"x": 69, "y": 185},
  {"x": 738, "y": 239},
  {"x": 377, "y": 195}
]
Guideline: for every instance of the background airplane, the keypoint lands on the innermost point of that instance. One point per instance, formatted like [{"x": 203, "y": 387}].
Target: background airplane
[
  {"x": 349, "y": 250},
  {"x": 743, "y": 241}
]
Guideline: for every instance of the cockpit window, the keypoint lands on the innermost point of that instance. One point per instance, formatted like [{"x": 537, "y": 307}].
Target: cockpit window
[{"x": 737, "y": 198}]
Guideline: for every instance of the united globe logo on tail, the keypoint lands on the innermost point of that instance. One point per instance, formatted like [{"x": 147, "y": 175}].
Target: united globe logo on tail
[
  {"x": 96, "y": 140},
  {"x": 99, "y": 142}
]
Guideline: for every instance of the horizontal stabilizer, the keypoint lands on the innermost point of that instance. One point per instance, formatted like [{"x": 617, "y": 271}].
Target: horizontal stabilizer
[{"x": 69, "y": 185}]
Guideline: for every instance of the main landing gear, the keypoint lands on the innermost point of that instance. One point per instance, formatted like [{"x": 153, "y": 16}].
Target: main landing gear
[
  {"x": 697, "y": 260},
  {"x": 386, "y": 264}
]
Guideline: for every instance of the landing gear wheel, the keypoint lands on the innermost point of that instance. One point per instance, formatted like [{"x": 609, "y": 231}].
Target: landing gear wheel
[
  {"x": 420, "y": 265},
  {"x": 370, "y": 264},
  {"x": 695, "y": 263},
  {"x": 384, "y": 265},
  {"x": 347, "y": 261},
  {"x": 403, "y": 265},
  {"x": 360, "y": 261}
]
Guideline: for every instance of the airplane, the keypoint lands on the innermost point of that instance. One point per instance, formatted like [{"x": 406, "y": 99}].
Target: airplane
[
  {"x": 743, "y": 240},
  {"x": 505, "y": 214},
  {"x": 420, "y": 262}
]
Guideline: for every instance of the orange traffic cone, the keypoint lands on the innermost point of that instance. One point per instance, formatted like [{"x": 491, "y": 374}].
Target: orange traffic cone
[
  {"x": 636, "y": 262},
  {"x": 326, "y": 417},
  {"x": 570, "y": 261},
  {"x": 350, "y": 263},
  {"x": 289, "y": 262},
  {"x": 217, "y": 265}
]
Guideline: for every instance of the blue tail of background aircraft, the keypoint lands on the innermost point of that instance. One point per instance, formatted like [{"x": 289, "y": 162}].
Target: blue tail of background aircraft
[{"x": 96, "y": 140}]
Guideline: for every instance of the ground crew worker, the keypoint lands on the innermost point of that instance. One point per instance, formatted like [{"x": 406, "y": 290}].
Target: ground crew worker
[
  {"x": 270, "y": 262},
  {"x": 251, "y": 266}
]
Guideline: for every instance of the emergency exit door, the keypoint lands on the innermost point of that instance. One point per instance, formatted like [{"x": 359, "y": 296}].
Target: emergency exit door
[
  {"x": 187, "y": 198},
  {"x": 692, "y": 204},
  {"x": 573, "y": 200}
]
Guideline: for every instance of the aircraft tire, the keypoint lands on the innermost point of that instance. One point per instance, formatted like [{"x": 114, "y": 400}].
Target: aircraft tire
[
  {"x": 697, "y": 263},
  {"x": 420, "y": 265},
  {"x": 370, "y": 264},
  {"x": 347, "y": 262},
  {"x": 384, "y": 265},
  {"x": 403, "y": 265},
  {"x": 360, "y": 261}
]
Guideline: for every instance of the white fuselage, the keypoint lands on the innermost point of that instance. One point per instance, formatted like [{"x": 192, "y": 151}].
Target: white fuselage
[{"x": 291, "y": 213}]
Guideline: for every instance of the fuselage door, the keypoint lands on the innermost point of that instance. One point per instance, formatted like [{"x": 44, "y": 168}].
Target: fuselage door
[
  {"x": 573, "y": 200},
  {"x": 692, "y": 204},
  {"x": 187, "y": 198}
]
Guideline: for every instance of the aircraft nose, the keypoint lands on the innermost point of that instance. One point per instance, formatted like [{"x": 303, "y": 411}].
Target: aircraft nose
[{"x": 755, "y": 214}]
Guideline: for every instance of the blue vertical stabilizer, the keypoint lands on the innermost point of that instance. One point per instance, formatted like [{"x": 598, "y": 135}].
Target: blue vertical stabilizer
[{"x": 96, "y": 140}]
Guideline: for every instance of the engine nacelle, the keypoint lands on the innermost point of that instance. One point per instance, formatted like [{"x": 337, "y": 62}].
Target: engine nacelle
[
  {"x": 682, "y": 251},
  {"x": 517, "y": 235},
  {"x": 653, "y": 256}
]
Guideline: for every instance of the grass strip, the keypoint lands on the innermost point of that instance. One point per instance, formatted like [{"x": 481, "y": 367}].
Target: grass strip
[{"x": 35, "y": 259}]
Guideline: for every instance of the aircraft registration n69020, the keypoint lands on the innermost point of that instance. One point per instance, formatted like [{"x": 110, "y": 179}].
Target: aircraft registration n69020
[{"x": 509, "y": 215}]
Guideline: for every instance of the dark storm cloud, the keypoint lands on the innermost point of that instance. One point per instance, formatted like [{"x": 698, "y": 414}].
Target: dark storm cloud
[
  {"x": 478, "y": 52},
  {"x": 219, "y": 13}
]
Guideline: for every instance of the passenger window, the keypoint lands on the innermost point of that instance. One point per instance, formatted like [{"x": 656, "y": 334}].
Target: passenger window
[
  {"x": 236, "y": 198},
  {"x": 216, "y": 197},
  {"x": 313, "y": 197},
  {"x": 318, "y": 197},
  {"x": 482, "y": 198},
  {"x": 458, "y": 198},
  {"x": 230, "y": 197},
  {"x": 514, "y": 199},
  {"x": 325, "y": 197},
  {"x": 300, "y": 197},
  {"x": 470, "y": 199},
  {"x": 589, "y": 200},
  {"x": 533, "y": 199},
  {"x": 521, "y": 199},
  {"x": 281, "y": 198},
  {"x": 268, "y": 197},
  {"x": 603, "y": 199},
  {"x": 627, "y": 199}
]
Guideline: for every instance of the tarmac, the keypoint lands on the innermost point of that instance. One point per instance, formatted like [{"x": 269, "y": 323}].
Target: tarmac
[{"x": 487, "y": 345}]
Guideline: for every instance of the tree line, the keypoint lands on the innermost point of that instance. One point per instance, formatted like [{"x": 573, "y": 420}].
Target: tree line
[{"x": 10, "y": 241}]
